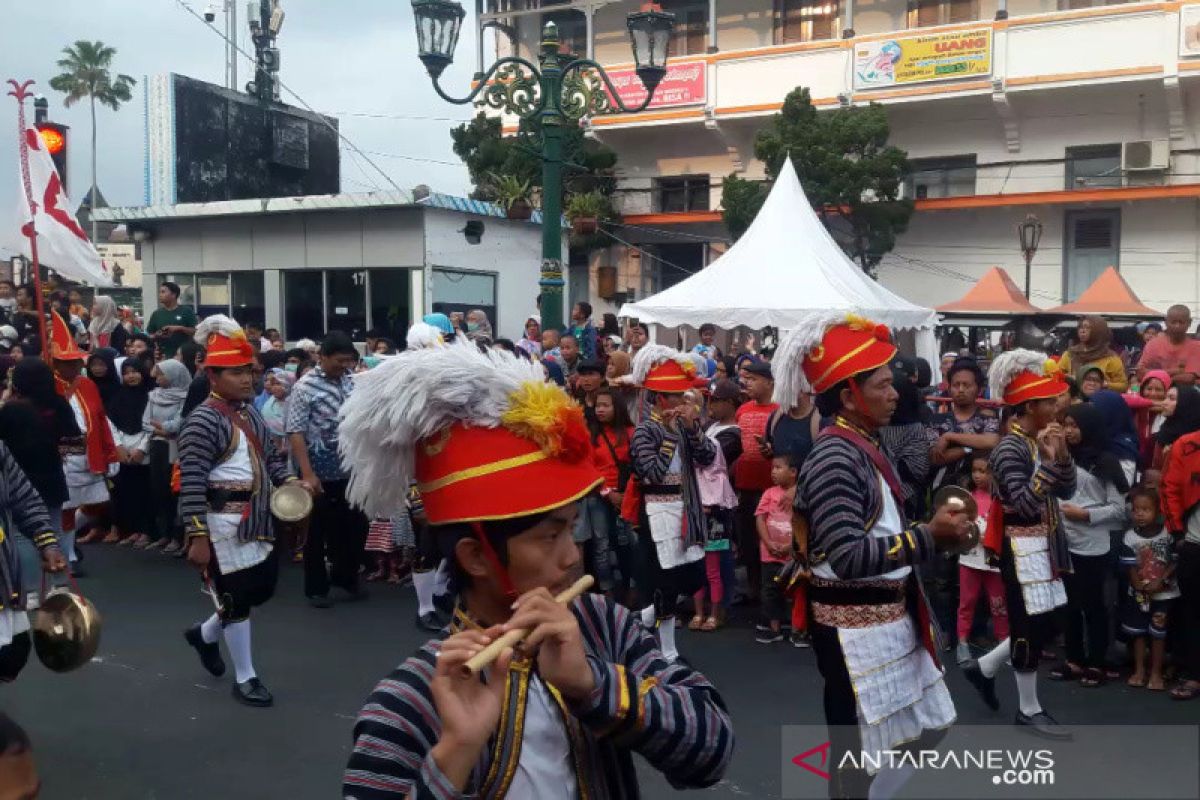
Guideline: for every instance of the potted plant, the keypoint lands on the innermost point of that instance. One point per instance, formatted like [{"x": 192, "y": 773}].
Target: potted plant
[
  {"x": 584, "y": 210},
  {"x": 512, "y": 194}
]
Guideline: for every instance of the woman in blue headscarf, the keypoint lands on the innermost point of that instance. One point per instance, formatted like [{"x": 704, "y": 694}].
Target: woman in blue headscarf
[{"x": 1122, "y": 434}]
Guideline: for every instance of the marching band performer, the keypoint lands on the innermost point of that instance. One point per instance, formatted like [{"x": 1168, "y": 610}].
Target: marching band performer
[
  {"x": 20, "y": 507},
  {"x": 90, "y": 459},
  {"x": 874, "y": 638},
  {"x": 501, "y": 459},
  {"x": 665, "y": 450},
  {"x": 227, "y": 464},
  {"x": 1030, "y": 467}
]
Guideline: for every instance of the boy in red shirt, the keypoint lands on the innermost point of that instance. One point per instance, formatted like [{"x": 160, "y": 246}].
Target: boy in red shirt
[
  {"x": 773, "y": 519},
  {"x": 752, "y": 470}
]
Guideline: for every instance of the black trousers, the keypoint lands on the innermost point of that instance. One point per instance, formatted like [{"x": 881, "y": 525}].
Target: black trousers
[
  {"x": 1187, "y": 610},
  {"x": 1026, "y": 632},
  {"x": 337, "y": 532},
  {"x": 1087, "y": 611},
  {"x": 163, "y": 502},
  {"x": 747, "y": 538},
  {"x": 841, "y": 715},
  {"x": 663, "y": 586},
  {"x": 14, "y": 656},
  {"x": 247, "y": 588},
  {"x": 131, "y": 491}
]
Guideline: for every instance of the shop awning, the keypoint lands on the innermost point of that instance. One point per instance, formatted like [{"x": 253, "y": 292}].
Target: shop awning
[
  {"x": 995, "y": 294},
  {"x": 1109, "y": 296}
]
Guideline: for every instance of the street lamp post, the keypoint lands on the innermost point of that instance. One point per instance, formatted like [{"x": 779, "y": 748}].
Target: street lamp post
[
  {"x": 559, "y": 90},
  {"x": 1029, "y": 233}
]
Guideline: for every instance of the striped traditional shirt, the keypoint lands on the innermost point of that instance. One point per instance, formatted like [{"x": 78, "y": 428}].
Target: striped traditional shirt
[
  {"x": 668, "y": 713},
  {"x": 652, "y": 451},
  {"x": 205, "y": 440},
  {"x": 313, "y": 410},
  {"x": 1027, "y": 486},
  {"x": 839, "y": 492},
  {"x": 20, "y": 507}
]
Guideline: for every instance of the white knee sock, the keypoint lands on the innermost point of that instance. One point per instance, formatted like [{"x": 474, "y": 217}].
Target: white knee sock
[
  {"x": 888, "y": 781},
  {"x": 424, "y": 583},
  {"x": 441, "y": 579},
  {"x": 648, "y": 616},
  {"x": 1027, "y": 693},
  {"x": 66, "y": 542},
  {"x": 991, "y": 661},
  {"x": 666, "y": 638},
  {"x": 210, "y": 629},
  {"x": 237, "y": 639}
]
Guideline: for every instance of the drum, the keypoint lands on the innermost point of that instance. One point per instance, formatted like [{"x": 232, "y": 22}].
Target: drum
[
  {"x": 291, "y": 503},
  {"x": 66, "y": 631}
]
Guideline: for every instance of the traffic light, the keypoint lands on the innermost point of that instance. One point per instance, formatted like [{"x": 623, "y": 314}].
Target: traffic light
[{"x": 54, "y": 137}]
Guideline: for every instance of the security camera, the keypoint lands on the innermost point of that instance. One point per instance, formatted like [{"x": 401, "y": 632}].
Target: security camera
[{"x": 210, "y": 13}]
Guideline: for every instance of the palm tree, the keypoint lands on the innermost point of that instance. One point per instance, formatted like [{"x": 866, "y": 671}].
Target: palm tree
[{"x": 85, "y": 73}]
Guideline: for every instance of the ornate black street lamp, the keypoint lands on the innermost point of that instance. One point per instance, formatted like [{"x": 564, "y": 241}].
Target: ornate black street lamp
[{"x": 1029, "y": 233}]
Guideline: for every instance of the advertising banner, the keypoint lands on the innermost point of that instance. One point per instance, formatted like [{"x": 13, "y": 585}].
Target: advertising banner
[
  {"x": 920, "y": 59},
  {"x": 684, "y": 85}
]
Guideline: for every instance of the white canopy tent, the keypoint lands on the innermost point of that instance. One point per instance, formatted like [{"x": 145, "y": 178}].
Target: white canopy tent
[{"x": 784, "y": 267}]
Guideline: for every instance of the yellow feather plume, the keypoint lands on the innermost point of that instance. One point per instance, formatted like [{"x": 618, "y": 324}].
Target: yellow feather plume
[
  {"x": 539, "y": 412},
  {"x": 858, "y": 322}
]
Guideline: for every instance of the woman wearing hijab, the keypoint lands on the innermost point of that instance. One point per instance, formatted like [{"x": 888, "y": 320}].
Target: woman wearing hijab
[
  {"x": 1121, "y": 433},
  {"x": 32, "y": 423},
  {"x": 105, "y": 328},
  {"x": 131, "y": 487},
  {"x": 1096, "y": 508},
  {"x": 161, "y": 421},
  {"x": 905, "y": 440},
  {"x": 1094, "y": 349},
  {"x": 531, "y": 338},
  {"x": 1148, "y": 407},
  {"x": 102, "y": 369},
  {"x": 479, "y": 328}
]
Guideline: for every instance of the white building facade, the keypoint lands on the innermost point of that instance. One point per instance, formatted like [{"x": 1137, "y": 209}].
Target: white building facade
[{"x": 1084, "y": 114}]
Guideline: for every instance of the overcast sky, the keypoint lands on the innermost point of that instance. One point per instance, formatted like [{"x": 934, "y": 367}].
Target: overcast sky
[{"x": 347, "y": 57}]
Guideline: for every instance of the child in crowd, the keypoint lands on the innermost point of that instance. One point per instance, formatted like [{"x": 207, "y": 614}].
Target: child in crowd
[
  {"x": 774, "y": 521},
  {"x": 278, "y": 386},
  {"x": 611, "y": 434},
  {"x": 720, "y": 503},
  {"x": 162, "y": 419},
  {"x": 1148, "y": 552},
  {"x": 383, "y": 543},
  {"x": 975, "y": 575}
]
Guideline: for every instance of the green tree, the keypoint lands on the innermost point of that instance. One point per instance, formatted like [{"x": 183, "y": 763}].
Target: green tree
[
  {"x": 482, "y": 146},
  {"x": 851, "y": 175},
  {"x": 86, "y": 73}
]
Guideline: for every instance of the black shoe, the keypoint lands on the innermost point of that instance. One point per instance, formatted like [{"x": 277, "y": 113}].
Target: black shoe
[
  {"x": 1043, "y": 725},
  {"x": 356, "y": 595},
  {"x": 252, "y": 693},
  {"x": 430, "y": 622},
  {"x": 320, "y": 601},
  {"x": 983, "y": 684},
  {"x": 210, "y": 654}
]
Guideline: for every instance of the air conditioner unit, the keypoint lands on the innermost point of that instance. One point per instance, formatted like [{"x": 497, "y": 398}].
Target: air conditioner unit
[{"x": 1146, "y": 155}]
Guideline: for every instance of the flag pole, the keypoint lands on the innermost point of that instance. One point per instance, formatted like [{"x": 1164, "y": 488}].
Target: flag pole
[{"x": 21, "y": 92}]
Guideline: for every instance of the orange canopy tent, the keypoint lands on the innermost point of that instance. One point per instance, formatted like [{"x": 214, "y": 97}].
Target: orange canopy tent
[
  {"x": 1109, "y": 296},
  {"x": 996, "y": 294}
]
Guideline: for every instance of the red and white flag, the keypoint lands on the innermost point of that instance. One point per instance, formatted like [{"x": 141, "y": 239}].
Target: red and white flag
[{"x": 62, "y": 244}]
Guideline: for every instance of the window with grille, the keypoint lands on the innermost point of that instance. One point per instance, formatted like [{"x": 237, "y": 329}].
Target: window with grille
[
  {"x": 1093, "y": 166},
  {"x": 926, "y": 13},
  {"x": 681, "y": 193},
  {"x": 807, "y": 21},
  {"x": 941, "y": 177}
]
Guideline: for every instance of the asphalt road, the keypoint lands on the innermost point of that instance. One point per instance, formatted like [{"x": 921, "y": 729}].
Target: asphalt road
[{"x": 144, "y": 722}]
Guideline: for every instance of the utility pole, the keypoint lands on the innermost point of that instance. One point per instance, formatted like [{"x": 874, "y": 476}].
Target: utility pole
[
  {"x": 231, "y": 49},
  {"x": 263, "y": 31}
]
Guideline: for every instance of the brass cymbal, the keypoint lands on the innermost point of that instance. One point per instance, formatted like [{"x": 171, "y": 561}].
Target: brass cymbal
[
  {"x": 958, "y": 498},
  {"x": 66, "y": 631}
]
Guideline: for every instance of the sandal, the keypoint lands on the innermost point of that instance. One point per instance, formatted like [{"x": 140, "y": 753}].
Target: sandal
[
  {"x": 696, "y": 622},
  {"x": 1186, "y": 691},
  {"x": 1136, "y": 682},
  {"x": 1066, "y": 672},
  {"x": 711, "y": 624},
  {"x": 1092, "y": 678}
]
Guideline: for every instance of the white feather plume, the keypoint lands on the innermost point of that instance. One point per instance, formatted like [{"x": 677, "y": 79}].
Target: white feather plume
[
  {"x": 1007, "y": 366},
  {"x": 411, "y": 396},
  {"x": 217, "y": 323},
  {"x": 649, "y": 357},
  {"x": 422, "y": 335},
  {"x": 787, "y": 366}
]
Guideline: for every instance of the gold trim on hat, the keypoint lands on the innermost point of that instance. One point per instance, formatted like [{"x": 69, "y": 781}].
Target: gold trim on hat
[
  {"x": 481, "y": 470},
  {"x": 852, "y": 354}
]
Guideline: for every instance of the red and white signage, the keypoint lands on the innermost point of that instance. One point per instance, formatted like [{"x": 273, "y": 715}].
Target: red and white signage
[{"x": 685, "y": 84}]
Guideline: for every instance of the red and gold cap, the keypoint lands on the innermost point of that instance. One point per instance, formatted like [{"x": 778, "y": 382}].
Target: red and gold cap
[
  {"x": 846, "y": 349},
  {"x": 1019, "y": 376},
  {"x": 62, "y": 343},
  {"x": 224, "y": 341},
  {"x": 482, "y": 435},
  {"x": 657, "y": 368}
]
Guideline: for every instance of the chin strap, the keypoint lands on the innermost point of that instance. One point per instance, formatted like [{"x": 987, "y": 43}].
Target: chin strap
[
  {"x": 859, "y": 399},
  {"x": 490, "y": 554}
]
